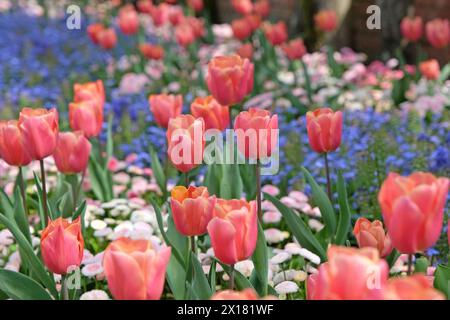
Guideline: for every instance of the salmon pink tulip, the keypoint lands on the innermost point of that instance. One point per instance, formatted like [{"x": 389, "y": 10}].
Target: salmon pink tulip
[
  {"x": 40, "y": 131},
  {"x": 185, "y": 138},
  {"x": 192, "y": 209},
  {"x": 257, "y": 134},
  {"x": 371, "y": 234},
  {"x": 326, "y": 20},
  {"x": 324, "y": 128},
  {"x": 349, "y": 274},
  {"x": 275, "y": 33},
  {"x": 415, "y": 287},
  {"x": 62, "y": 245},
  {"x": 72, "y": 152},
  {"x": 262, "y": 8},
  {"x": 430, "y": 69},
  {"x": 242, "y": 6},
  {"x": 151, "y": 52},
  {"x": 196, "y": 5},
  {"x": 107, "y": 38},
  {"x": 135, "y": 270},
  {"x": 93, "y": 31},
  {"x": 13, "y": 149},
  {"x": 164, "y": 107},
  {"x": 413, "y": 209},
  {"x": 85, "y": 116},
  {"x": 412, "y": 28},
  {"x": 230, "y": 79},
  {"x": 246, "y": 294},
  {"x": 214, "y": 114},
  {"x": 245, "y": 51},
  {"x": 128, "y": 21},
  {"x": 438, "y": 32},
  {"x": 294, "y": 49},
  {"x": 233, "y": 230},
  {"x": 241, "y": 28}
]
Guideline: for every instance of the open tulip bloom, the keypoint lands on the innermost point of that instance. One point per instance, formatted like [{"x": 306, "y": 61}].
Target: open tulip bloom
[{"x": 149, "y": 153}]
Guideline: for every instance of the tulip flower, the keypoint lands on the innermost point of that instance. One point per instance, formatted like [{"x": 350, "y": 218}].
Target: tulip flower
[
  {"x": 326, "y": 20},
  {"x": 371, "y": 234},
  {"x": 128, "y": 21},
  {"x": 324, "y": 129},
  {"x": 415, "y": 287},
  {"x": 214, "y": 114},
  {"x": 62, "y": 245},
  {"x": 197, "y": 26},
  {"x": 412, "y": 28},
  {"x": 184, "y": 34},
  {"x": 152, "y": 52},
  {"x": 245, "y": 51},
  {"x": 86, "y": 117},
  {"x": 160, "y": 14},
  {"x": 40, "y": 130},
  {"x": 241, "y": 28},
  {"x": 294, "y": 49},
  {"x": 430, "y": 69},
  {"x": 196, "y": 5},
  {"x": 13, "y": 149},
  {"x": 145, "y": 6},
  {"x": 233, "y": 230},
  {"x": 230, "y": 79},
  {"x": 242, "y": 6},
  {"x": 254, "y": 21},
  {"x": 276, "y": 33},
  {"x": 164, "y": 107},
  {"x": 413, "y": 209},
  {"x": 176, "y": 15},
  {"x": 246, "y": 294},
  {"x": 438, "y": 32},
  {"x": 72, "y": 152},
  {"x": 349, "y": 274},
  {"x": 107, "y": 38},
  {"x": 135, "y": 270},
  {"x": 186, "y": 142},
  {"x": 262, "y": 8},
  {"x": 192, "y": 209},
  {"x": 90, "y": 91},
  {"x": 93, "y": 31},
  {"x": 256, "y": 137}
]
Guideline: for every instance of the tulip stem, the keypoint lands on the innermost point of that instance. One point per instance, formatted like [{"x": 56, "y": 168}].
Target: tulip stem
[
  {"x": 44, "y": 191},
  {"x": 193, "y": 245},
  {"x": 232, "y": 277},
  {"x": 22, "y": 190},
  {"x": 327, "y": 171},
  {"x": 186, "y": 179},
  {"x": 64, "y": 288},
  {"x": 258, "y": 189},
  {"x": 410, "y": 264}
]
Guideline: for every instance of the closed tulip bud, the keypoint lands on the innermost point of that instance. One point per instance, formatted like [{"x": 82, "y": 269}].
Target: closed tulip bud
[
  {"x": 413, "y": 209},
  {"x": 246, "y": 51},
  {"x": 128, "y": 21},
  {"x": 438, "y": 32},
  {"x": 13, "y": 149},
  {"x": 412, "y": 28},
  {"x": 242, "y": 6},
  {"x": 184, "y": 34},
  {"x": 276, "y": 33},
  {"x": 324, "y": 129},
  {"x": 262, "y": 8},
  {"x": 326, "y": 20},
  {"x": 135, "y": 270},
  {"x": 152, "y": 52},
  {"x": 93, "y": 31},
  {"x": 214, "y": 114},
  {"x": 72, "y": 152},
  {"x": 430, "y": 69},
  {"x": 40, "y": 131},
  {"x": 164, "y": 107},
  {"x": 294, "y": 49},
  {"x": 62, "y": 245},
  {"x": 197, "y": 5},
  {"x": 241, "y": 28},
  {"x": 371, "y": 234},
  {"x": 192, "y": 209},
  {"x": 86, "y": 117},
  {"x": 415, "y": 287},
  {"x": 254, "y": 21},
  {"x": 256, "y": 132},
  {"x": 246, "y": 294},
  {"x": 233, "y": 230},
  {"x": 349, "y": 274},
  {"x": 107, "y": 38},
  {"x": 176, "y": 15},
  {"x": 186, "y": 142},
  {"x": 230, "y": 79},
  {"x": 90, "y": 91},
  {"x": 197, "y": 25},
  {"x": 160, "y": 14}
]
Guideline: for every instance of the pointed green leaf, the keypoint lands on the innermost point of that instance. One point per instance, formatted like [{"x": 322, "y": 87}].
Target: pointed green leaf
[
  {"x": 261, "y": 262},
  {"x": 344, "y": 210},
  {"x": 20, "y": 287}
]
